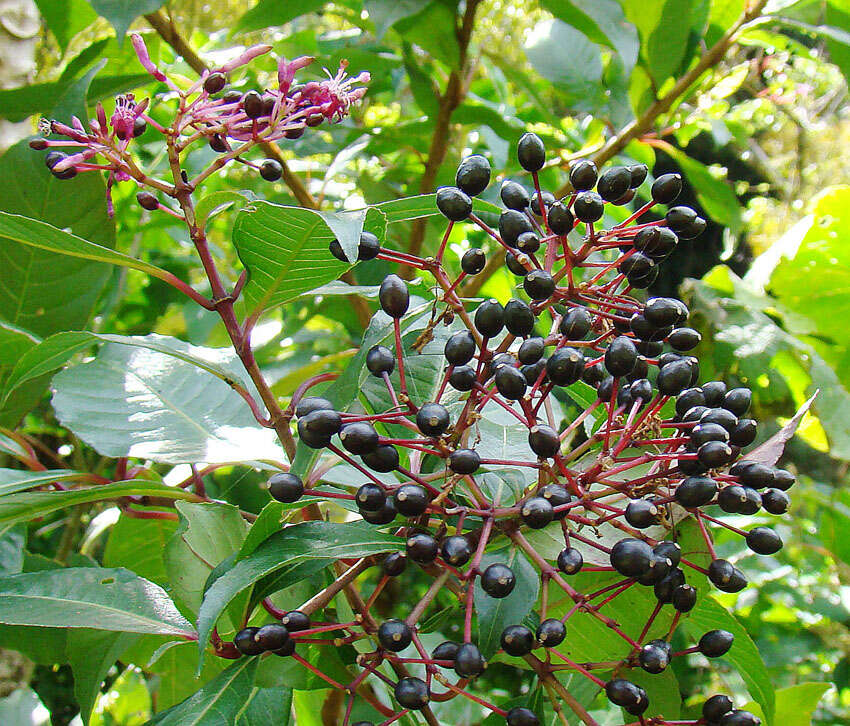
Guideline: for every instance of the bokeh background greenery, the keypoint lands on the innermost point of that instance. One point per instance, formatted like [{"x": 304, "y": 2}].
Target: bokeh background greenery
[{"x": 749, "y": 100}]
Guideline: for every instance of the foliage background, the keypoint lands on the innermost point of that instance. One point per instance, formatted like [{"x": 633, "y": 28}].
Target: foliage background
[{"x": 760, "y": 130}]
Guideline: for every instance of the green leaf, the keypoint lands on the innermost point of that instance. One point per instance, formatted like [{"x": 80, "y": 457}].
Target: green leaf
[
  {"x": 710, "y": 615},
  {"x": 53, "y": 353},
  {"x": 208, "y": 534},
  {"x": 137, "y": 402},
  {"x": 664, "y": 29},
  {"x": 386, "y": 13},
  {"x": 17, "y": 104},
  {"x": 91, "y": 653},
  {"x": 128, "y": 700},
  {"x": 14, "y": 343},
  {"x": 217, "y": 202},
  {"x": 562, "y": 55},
  {"x": 661, "y": 688},
  {"x": 795, "y": 705},
  {"x": 314, "y": 544},
  {"x": 715, "y": 195},
  {"x": 268, "y": 13},
  {"x": 23, "y": 507},
  {"x": 495, "y": 614},
  {"x": 66, "y": 18},
  {"x": 89, "y": 597},
  {"x": 16, "y": 480},
  {"x": 219, "y": 702},
  {"x": 433, "y": 30},
  {"x": 602, "y": 22},
  {"x": 285, "y": 249},
  {"x": 140, "y": 545},
  {"x": 13, "y": 537},
  {"x": 121, "y": 13},
  {"x": 267, "y": 706}
]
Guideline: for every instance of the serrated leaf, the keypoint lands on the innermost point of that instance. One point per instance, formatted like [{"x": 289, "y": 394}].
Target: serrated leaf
[
  {"x": 137, "y": 402},
  {"x": 89, "y": 597}
]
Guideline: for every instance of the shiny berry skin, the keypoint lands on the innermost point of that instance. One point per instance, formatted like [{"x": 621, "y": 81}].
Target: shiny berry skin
[
  {"x": 642, "y": 513},
  {"x": 528, "y": 242},
  {"x": 548, "y": 201},
  {"x": 214, "y": 82},
  {"x": 386, "y": 514},
  {"x": 394, "y": 296},
  {"x": 473, "y": 175},
  {"x": 683, "y": 598},
  {"x": 726, "y": 577},
  {"x": 613, "y": 183},
  {"x": 764, "y": 541},
  {"x": 460, "y": 348},
  {"x": 469, "y": 662},
  {"x": 316, "y": 428},
  {"x": 716, "y": 707},
  {"x": 473, "y": 261},
  {"x": 551, "y": 632},
  {"x": 627, "y": 695},
  {"x": 359, "y": 437},
  {"x": 565, "y": 366},
  {"x": 463, "y": 378},
  {"x": 518, "y": 318},
  {"x": 519, "y": 716},
  {"x": 560, "y": 219},
  {"x": 456, "y": 550},
  {"x": 412, "y": 693},
  {"x": 514, "y": 195},
  {"x": 394, "y": 564},
  {"x": 383, "y": 459},
  {"x": 683, "y": 339},
  {"x": 654, "y": 657},
  {"x": 664, "y": 589},
  {"x": 782, "y": 479},
  {"x": 575, "y": 325},
  {"x": 498, "y": 580},
  {"x": 52, "y": 159},
  {"x": 570, "y": 561},
  {"x": 380, "y": 360},
  {"x": 662, "y": 311},
  {"x": 666, "y": 188},
  {"x": 394, "y": 635},
  {"x": 411, "y": 500},
  {"x": 670, "y": 550},
  {"x": 489, "y": 318},
  {"x": 433, "y": 419},
  {"x": 512, "y": 225},
  {"x": 517, "y": 640},
  {"x": 370, "y": 497},
  {"x": 680, "y": 218},
  {"x": 638, "y": 174},
  {"x": 422, "y": 548},
  {"x": 739, "y": 718},
  {"x": 147, "y": 201},
  {"x": 367, "y": 248},
  {"x": 716, "y": 643},
  {"x": 252, "y": 104},
  {"x": 295, "y": 620},
  {"x": 539, "y": 285},
  {"x": 696, "y": 491},
  {"x": 631, "y": 557},
  {"x": 674, "y": 378},
  {"x": 447, "y": 650},
  {"x": 621, "y": 356},
  {"x": 744, "y": 432},
  {"x": 536, "y": 512},
  {"x": 271, "y": 170},
  {"x": 738, "y": 401},
  {"x": 531, "y": 152},
  {"x": 556, "y": 495},
  {"x": 544, "y": 441},
  {"x": 775, "y": 501},
  {"x": 531, "y": 351},
  {"x": 464, "y": 461},
  {"x": 583, "y": 175},
  {"x": 516, "y": 263},
  {"x": 714, "y": 453},
  {"x": 453, "y": 204},
  {"x": 510, "y": 382},
  {"x": 272, "y": 636},
  {"x": 285, "y": 487},
  {"x": 245, "y": 643},
  {"x": 588, "y": 207}
]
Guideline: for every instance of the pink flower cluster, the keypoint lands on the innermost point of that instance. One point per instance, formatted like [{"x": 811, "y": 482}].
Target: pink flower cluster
[{"x": 204, "y": 113}]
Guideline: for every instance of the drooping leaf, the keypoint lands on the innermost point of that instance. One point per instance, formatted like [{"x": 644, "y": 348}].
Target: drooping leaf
[
  {"x": 66, "y": 18},
  {"x": 385, "y": 13},
  {"x": 268, "y": 13},
  {"x": 138, "y": 402},
  {"x": 664, "y": 29},
  {"x": 16, "y": 480},
  {"x": 13, "y": 537},
  {"x": 89, "y": 597},
  {"x": 795, "y": 705}
]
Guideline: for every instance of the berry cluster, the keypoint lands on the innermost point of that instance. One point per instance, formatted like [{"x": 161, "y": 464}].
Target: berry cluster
[
  {"x": 653, "y": 449},
  {"x": 229, "y": 120}
]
